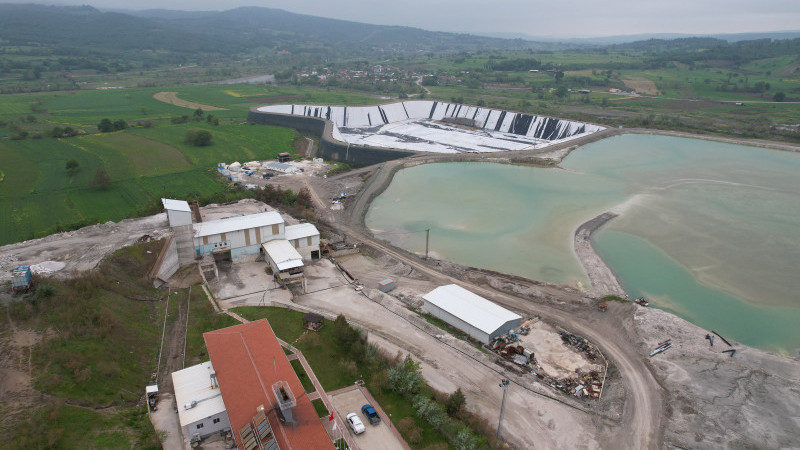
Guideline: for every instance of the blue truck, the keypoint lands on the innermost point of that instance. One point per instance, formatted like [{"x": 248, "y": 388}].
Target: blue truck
[
  {"x": 21, "y": 278},
  {"x": 371, "y": 415}
]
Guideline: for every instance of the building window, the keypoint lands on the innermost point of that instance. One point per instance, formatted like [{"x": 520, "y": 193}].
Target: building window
[
  {"x": 199, "y": 425},
  {"x": 216, "y": 420}
]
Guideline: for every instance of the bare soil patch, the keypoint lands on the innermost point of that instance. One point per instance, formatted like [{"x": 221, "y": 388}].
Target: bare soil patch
[
  {"x": 172, "y": 99},
  {"x": 641, "y": 85}
]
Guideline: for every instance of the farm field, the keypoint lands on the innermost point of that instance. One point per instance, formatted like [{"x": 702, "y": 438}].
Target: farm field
[{"x": 38, "y": 195}]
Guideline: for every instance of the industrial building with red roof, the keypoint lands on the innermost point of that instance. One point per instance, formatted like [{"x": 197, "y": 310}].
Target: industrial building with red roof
[{"x": 266, "y": 403}]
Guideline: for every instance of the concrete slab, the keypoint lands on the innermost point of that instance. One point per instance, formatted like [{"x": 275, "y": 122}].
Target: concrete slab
[
  {"x": 165, "y": 421},
  {"x": 240, "y": 278},
  {"x": 321, "y": 275},
  {"x": 377, "y": 437}
]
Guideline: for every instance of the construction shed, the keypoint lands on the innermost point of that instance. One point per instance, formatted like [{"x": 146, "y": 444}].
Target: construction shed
[
  {"x": 178, "y": 212},
  {"x": 198, "y": 398},
  {"x": 284, "y": 260},
  {"x": 481, "y": 319},
  {"x": 313, "y": 321}
]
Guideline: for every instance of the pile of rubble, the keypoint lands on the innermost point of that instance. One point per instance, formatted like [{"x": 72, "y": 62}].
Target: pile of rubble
[{"x": 581, "y": 384}]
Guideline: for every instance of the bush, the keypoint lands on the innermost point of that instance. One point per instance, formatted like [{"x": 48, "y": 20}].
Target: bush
[
  {"x": 405, "y": 376},
  {"x": 198, "y": 138},
  {"x": 101, "y": 179},
  {"x": 455, "y": 403}
]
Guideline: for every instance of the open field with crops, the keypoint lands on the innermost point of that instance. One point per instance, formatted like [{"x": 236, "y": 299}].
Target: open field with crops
[{"x": 146, "y": 161}]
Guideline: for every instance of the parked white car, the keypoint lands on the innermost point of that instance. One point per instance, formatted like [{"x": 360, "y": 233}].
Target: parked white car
[{"x": 355, "y": 423}]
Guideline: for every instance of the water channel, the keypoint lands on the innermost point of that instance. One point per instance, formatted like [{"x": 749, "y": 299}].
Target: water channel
[{"x": 708, "y": 231}]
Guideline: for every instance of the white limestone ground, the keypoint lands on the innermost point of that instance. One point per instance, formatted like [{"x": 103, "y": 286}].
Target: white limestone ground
[{"x": 421, "y": 125}]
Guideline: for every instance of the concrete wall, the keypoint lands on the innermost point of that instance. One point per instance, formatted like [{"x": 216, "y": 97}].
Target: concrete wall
[
  {"x": 329, "y": 148},
  {"x": 169, "y": 263},
  {"x": 179, "y": 218},
  {"x": 208, "y": 426},
  {"x": 503, "y": 329},
  {"x": 439, "y": 313},
  {"x": 304, "y": 248},
  {"x": 184, "y": 243}
]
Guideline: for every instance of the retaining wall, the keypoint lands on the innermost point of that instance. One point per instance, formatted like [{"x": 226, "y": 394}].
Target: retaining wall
[{"x": 329, "y": 148}]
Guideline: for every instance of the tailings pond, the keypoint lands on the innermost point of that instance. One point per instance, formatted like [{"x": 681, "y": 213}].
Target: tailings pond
[{"x": 708, "y": 231}]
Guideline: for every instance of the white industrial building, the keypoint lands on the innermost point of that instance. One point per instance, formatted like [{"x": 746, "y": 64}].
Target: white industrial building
[
  {"x": 305, "y": 239},
  {"x": 284, "y": 259},
  {"x": 471, "y": 313},
  {"x": 201, "y": 411},
  {"x": 178, "y": 212},
  {"x": 238, "y": 236},
  {"x": 233, "y": 238}
]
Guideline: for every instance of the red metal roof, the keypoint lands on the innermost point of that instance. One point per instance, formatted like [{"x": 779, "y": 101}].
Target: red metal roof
[{"x": 248, "y": 360}]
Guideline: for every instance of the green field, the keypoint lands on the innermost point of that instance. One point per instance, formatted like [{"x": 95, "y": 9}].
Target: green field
[{"x": 38, "y": 195}]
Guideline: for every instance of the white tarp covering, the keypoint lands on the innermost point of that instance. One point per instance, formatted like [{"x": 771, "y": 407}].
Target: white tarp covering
[
  {"x": 410, "y": 125},
  {"x": 471, "y": 308}
]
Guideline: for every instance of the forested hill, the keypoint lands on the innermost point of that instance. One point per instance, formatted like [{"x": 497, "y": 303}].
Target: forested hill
[
  {"x": 237, "y": 30},
  {"x": 76, "y": 28}
]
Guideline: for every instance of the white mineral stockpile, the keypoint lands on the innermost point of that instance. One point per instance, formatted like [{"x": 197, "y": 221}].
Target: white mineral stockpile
[
  {"x": 47, "y": 267},
  {"x": 417, "y": 125}
]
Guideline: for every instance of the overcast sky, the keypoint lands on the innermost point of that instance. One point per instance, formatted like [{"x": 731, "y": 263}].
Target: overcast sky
[{"x": 562, "y": 18}]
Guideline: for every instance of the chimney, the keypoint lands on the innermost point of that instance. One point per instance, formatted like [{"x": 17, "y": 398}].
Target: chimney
[
  {"x": 286, "y": 400},
  {"x": 214, "y": 383}
]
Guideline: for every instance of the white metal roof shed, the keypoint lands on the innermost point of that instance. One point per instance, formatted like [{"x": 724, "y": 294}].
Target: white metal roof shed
[
  {"x": 300, "y": 231},
  {"x": 471, "y": 308},
  {"x": 281, "y": 252},
  {"x": 194, "y": 384},
  {"x": 236, "y": 223},
  {"x": 175, "y": 205}
]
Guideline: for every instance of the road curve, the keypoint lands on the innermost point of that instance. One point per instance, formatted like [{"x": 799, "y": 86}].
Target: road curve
[
  {"x": 641, "y": 424},
  {"x": 641, "y": 421}
]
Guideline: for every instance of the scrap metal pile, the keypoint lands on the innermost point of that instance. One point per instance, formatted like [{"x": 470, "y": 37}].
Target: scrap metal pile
[{"x": 582, "y": 384}]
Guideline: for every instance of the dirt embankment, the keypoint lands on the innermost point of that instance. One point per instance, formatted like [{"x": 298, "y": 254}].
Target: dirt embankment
[
  {"x": 172, "y": 99},
  {"x": 602, "y": 279}
]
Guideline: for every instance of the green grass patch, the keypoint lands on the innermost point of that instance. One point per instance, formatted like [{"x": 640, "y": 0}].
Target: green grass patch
[
  {"x": 202, "y": 318},
  {"x": 303, "y": 376},
  {"x": 320, "y": 408},
  {"x": 64, "y": 426},
  {"x": 614, "y": 298},
  {"x": 144, "y": 156}
]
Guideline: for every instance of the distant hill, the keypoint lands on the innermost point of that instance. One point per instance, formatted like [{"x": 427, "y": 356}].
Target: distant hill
[
  {"x": 227, "y": 32},
  {"x": 600, "y": 41},
  {"x": 170, "y": 36},
  {"x": 84, "y": 27}
]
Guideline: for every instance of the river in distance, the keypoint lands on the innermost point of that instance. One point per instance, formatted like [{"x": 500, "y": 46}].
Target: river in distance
[{"x": 707, "y": 230}]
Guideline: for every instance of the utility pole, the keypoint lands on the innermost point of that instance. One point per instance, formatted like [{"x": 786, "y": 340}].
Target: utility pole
[
  {"x": 427, "y": 238},
  {"x": 503, "y": 384}
]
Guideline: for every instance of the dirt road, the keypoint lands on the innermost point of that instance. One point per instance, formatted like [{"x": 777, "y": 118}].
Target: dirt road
[{"x": 641, "y": 425}]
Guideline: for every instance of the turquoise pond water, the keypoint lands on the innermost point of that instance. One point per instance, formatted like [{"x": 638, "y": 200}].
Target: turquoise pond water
[{"x": 709, "y": 231}]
